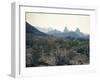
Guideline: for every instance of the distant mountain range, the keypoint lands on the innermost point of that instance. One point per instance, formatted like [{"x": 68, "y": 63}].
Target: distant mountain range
[
  {"x": 69, "y": 34},
  {"x": 65, "y": 34},
  {"x": 33, "y": 32}
]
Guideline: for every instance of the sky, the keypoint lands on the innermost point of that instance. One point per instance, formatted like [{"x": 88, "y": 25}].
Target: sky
[{"x": 59, "y": 21}]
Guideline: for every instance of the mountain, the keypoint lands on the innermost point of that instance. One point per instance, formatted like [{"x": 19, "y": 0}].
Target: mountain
[
  {"x": 33, "y": 33},
  {"x": 32, "y": 30},
  {"x": 53, "y": 32},
  {"x": 65, "y": 30},
  {"x": 77, "y": 30},
  {"x": 69, "y": 34}
]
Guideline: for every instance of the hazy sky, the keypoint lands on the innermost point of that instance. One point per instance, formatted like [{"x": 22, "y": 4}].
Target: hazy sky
[{"x": 59, "y": 21}]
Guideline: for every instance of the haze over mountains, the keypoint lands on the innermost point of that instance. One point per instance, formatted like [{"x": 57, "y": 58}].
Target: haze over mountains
[
  {"x": 32, "y": 30},
  {"x": 65, "y": 34},
  {"x": 69, "y": 34}
]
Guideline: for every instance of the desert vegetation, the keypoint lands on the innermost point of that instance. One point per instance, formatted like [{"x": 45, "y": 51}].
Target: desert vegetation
[{"x": 52, "y": 52}]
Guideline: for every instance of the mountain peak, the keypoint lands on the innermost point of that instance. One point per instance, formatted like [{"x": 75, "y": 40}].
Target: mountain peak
[
  {"x": 49, "y": 29},
  {"x": 65, "y": 29},
  {"x": 77, "y": 30}
]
